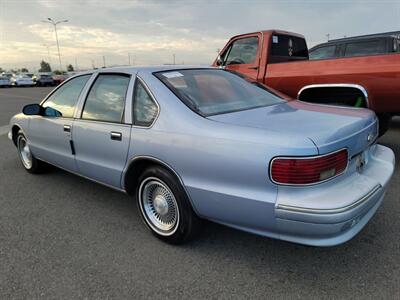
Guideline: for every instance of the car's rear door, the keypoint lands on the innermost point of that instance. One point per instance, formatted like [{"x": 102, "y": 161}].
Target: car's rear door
[
  {"x": 50, "y": 134},
  {"x": 102, "y": 131}
]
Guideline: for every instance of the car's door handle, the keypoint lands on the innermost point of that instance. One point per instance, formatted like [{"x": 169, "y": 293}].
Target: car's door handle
[
  {"x": 116, "y": 136},
  {"x": 67, "y": 128},
  {"x": 253, "y": 68}
]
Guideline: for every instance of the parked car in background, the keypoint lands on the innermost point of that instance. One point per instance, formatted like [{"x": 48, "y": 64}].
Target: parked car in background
[
  {"x": 44, "y": 80},
  {"x": 4, "y": 81},
  {"x": 8, "y": 75},
  {"x": 280, "y": 59},
  {"x": 198, "y": 142},
  {"x": 57, "y": 79},
  {"x": 22, "y": 80},
  {"x": 371, "y": 44},
  {"x": 31, "y": 75}
]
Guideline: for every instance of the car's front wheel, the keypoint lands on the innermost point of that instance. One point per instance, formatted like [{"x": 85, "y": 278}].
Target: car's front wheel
[
  {"x": 28, "y": 160},
  {"x": 165, "y": 207}
]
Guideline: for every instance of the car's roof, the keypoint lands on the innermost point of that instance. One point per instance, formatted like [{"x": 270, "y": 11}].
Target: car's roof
[{"x": 147, "y": 69}]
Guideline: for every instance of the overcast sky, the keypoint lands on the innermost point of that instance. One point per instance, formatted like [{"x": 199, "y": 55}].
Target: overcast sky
[{"x": 152, "y": 31}]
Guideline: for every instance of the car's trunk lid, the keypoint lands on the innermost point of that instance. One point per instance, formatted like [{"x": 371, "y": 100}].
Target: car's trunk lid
[{"x": 329, "y": 127}]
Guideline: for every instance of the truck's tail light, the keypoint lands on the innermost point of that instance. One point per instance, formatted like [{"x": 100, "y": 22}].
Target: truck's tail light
[{"x": 308, "y": 170}]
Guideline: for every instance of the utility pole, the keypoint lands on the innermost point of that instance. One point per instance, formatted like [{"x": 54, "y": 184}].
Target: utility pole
[
  {"x": 104, "y": 61},
  {"x": 327, "y": 36},
  {"x": 55, "y": 23},
  {"x": 76, "y": 64},
  {"x": 93, "y": 66},
  {"x": 173, "y": 56}
]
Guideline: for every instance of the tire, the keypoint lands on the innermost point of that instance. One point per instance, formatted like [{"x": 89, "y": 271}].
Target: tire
[
  {"x": 28, "y": 161},
  {"x": 384, "y": 123},
  {"x": 165, "y": 207}
]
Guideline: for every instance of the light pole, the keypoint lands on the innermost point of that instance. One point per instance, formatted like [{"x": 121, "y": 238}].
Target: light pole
[{"x": 55, "y": 23}]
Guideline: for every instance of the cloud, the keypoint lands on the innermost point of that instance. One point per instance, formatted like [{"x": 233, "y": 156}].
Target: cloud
[{"x": 151, "y": 31}]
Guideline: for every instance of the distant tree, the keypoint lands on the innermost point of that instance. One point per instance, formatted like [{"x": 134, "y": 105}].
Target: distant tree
[
  {"x": 44, "y": 67},
  {"x": 58, "y": 72},
  {"x": 70, "y": 68},
  {"x": 24, "y": 70},
  {"x": 1, "y": 70}
]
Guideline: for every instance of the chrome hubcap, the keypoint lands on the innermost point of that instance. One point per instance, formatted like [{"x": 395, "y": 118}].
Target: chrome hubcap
[
  {"x": 158, "y": 206},
  {"x": 24, "y": 152}
]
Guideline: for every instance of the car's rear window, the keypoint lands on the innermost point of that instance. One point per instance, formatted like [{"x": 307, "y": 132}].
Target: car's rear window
[{"x": 214, "y": 91}]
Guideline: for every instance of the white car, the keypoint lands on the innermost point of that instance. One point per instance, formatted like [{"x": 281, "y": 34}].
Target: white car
[
  {"x": 4, "y": 81},
  {"x": 22, "y": 80}
]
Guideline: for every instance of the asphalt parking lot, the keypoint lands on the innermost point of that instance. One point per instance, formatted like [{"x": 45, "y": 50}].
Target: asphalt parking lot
[{"x": 62, "y": 236}]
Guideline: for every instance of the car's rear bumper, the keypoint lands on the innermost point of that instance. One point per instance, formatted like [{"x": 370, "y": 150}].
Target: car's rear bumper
[{"x": 334, "y": 213}]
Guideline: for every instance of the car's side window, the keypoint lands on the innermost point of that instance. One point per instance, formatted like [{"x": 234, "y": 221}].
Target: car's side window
[
  {"x": 396, "y": 45},
  {"x": 63, "y": 101},
  {"x": 323, "y": 52},
  {"x": 242, "y": 51},
  {"x": 106, "y": 99},
  {"x": 145, "y": 109},
  {"x": 371, "y": 47}
]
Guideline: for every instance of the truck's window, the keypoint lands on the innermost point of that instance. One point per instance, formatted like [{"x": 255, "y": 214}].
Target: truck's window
[
  {"x": 287, "y": 48},
  {"x": 370, "y": 47},
  {"x": 243, "y": 51},
  {"x": 323, "y": 52},
  {"x": 214, "y": 91}
]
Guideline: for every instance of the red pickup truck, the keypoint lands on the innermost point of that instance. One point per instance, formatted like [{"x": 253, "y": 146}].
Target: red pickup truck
[{"x": 280, "y": 60}]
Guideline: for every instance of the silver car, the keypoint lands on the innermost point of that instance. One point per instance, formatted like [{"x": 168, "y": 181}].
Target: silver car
[
  {"x": 192, "y": 143},
  {"x": 4, "y": 81}
]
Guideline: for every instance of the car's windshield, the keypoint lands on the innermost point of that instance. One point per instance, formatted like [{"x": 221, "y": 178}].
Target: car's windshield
[{"x": 215, "y": 91}]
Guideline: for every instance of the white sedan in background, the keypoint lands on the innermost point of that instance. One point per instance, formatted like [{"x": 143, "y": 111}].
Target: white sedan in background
[{"x": 22, "y": 80}]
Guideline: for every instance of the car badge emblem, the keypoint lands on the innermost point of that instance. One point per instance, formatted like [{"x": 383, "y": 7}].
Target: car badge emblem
[{"x": 370, "y": 137}]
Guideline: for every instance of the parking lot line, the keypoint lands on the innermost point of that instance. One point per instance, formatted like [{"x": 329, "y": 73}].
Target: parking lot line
[{"x": 3, "y": 130}]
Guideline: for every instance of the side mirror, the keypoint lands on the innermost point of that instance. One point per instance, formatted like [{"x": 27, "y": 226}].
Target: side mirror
[
  {"x": 219, "y": 61},
  {"x": 32, "y": 109}
]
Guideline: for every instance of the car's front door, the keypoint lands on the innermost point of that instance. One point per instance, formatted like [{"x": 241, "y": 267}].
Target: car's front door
[
  {"x": 242, "y": 55},
  {"x": 50, "y": 134},
  {"x": 101, "y": 135}
]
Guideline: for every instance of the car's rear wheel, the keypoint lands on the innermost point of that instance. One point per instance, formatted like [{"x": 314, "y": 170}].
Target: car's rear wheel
[
  {"x": 165, "y": 207},
  {"x": 28, "y": 160}
]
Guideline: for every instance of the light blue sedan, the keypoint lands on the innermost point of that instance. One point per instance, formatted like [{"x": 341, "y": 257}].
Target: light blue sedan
[{"x": 192, "y": 143}]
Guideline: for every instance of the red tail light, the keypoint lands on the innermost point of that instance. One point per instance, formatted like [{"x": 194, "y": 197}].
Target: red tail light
[{"x": 308, "y": 170}]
